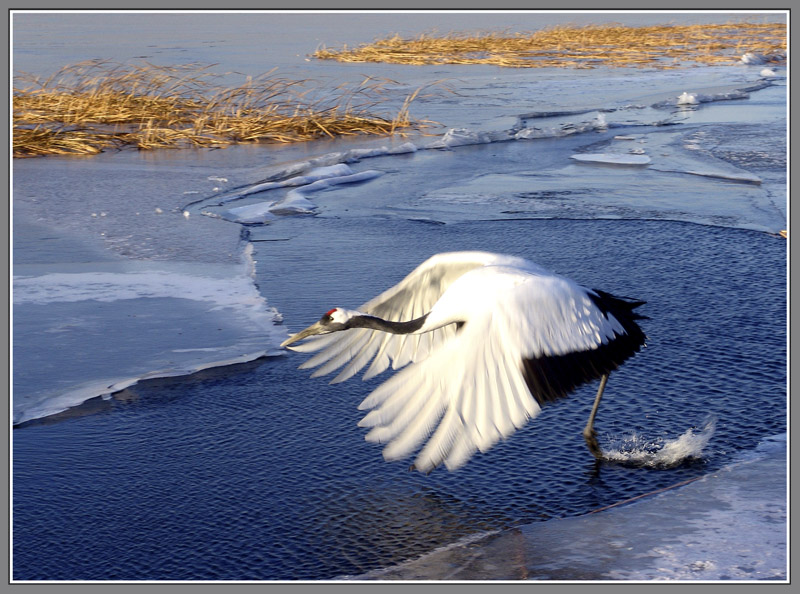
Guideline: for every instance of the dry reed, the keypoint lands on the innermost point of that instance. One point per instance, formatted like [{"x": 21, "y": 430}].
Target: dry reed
[
  {"x": 89, "y": 107},
  {"x": 662, "y": 46}
]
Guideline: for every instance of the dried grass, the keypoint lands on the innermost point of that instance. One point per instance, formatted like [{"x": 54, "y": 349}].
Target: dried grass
[
  {"x": 89, "y": 107},
  {"x": 662, "y": 46}
]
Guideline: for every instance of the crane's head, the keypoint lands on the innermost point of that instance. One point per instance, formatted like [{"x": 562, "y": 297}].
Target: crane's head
[{"x": 333, "y": 321}]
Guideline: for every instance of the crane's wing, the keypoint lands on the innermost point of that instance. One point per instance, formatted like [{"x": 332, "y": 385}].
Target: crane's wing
[
  {"x": 534, "y": 339},
  {"x": 409, "y": 299}
]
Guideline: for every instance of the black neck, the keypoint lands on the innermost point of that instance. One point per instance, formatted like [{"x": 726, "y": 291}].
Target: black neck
[{"x": 387, "y": 326}]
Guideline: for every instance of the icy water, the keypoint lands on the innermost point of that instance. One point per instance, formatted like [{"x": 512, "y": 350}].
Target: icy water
[
  {"x": 256, "y": 472},
  {"x": 161, "y": 434}
]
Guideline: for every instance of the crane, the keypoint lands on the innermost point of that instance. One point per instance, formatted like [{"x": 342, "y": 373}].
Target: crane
[{"x": 490, "y": 339}]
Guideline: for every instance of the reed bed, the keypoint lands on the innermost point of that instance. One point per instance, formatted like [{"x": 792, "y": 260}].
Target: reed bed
[
  {"x": 93, "y": 106},
  {"x": 662, "y": 46}
]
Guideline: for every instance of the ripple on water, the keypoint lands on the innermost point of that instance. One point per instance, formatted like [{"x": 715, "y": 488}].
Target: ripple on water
[{"x": 258, "y": 472}]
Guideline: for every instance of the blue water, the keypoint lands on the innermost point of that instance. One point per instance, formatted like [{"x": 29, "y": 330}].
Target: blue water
[{"x": 254, "y": 471}]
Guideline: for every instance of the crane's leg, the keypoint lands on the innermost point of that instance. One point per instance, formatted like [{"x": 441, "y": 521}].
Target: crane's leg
[{"x": 589, "y": 434}]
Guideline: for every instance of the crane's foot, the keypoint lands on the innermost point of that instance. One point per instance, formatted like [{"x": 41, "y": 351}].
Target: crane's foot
[{"x": 590, "y": 435}]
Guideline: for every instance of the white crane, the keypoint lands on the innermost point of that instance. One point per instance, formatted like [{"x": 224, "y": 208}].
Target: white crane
[{"x": 491, "y": 337}]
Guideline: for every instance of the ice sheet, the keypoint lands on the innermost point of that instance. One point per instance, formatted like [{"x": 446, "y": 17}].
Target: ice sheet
[
  {"x": 296, "y": 200},
  {"x": 728, "y": 525},
  {"x": 112, "y": 283},
  {"x": 657, "y": 135},
  {"x": 99, "y": 328}
]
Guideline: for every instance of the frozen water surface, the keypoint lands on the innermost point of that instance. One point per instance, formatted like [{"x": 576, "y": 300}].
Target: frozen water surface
[
  {"x": 150, "y": 290},
  {"x": 169, "y": 319},
  {"x": 113, "y": 284}
]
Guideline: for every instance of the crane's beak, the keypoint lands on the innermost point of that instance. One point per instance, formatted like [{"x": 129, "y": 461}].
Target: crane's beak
[{"x": 312, "y": 330}]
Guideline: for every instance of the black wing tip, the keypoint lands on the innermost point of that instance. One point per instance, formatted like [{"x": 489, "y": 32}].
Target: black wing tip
[
  {"x": 631, "y": 302},
  {"x": 617, "y": 305}
]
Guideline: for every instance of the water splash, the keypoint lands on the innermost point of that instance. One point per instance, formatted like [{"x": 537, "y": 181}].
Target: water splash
[{"x": 661, "y": 453}]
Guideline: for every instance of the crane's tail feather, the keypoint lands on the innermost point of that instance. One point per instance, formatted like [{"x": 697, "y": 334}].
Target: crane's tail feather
[{"x": 624, "y": 305}]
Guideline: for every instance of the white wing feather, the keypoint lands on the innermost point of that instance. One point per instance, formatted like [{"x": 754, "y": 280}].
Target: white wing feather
[
  {"x": 412, "y": 297},
  {"x": 471, "y": 393},
  {"x": 465, "y": 391},
  {"x": 468, "y": 385}
]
